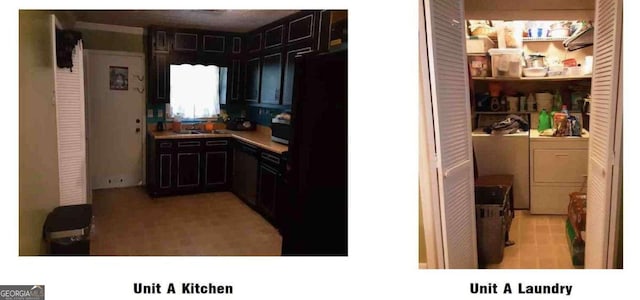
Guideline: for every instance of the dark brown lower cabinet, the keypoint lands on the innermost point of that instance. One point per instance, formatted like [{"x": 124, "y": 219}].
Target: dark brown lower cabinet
[
  {"x": 217, "y": 173},
  {"x": 188, "y": 160},
  {"x": 183, "y": 166}
]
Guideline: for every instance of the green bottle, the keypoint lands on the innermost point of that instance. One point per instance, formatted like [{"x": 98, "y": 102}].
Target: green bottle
[{"x": 544, "y": 122}]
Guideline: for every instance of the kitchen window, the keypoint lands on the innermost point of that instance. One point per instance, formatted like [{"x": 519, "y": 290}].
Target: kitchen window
[{"x": 196, "y": 91}]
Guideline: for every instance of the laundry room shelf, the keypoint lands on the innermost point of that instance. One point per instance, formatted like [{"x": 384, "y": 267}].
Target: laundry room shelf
[
  {"x": 544, "y": 39},
  {"x": 554, "y": 78}
]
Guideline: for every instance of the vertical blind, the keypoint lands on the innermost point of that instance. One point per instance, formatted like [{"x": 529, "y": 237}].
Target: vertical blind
[
  {"x": 72, "y": 164},
  {"x": 194, "y": 91}
]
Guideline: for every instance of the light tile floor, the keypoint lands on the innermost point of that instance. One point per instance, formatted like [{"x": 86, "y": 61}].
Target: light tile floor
[
  {"x": 540, "y": 243},
  {"x": 129, "y": 222}
]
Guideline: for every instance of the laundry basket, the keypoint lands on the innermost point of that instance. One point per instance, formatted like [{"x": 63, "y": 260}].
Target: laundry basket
[{"x": 493, "y": 217}]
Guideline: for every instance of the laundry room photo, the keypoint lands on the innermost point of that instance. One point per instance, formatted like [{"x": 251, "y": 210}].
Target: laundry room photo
[{"x": 520, "y": 135}]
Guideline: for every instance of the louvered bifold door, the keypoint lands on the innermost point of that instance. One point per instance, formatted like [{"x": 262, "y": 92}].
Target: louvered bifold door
[
  {"x": 69, "y": 87},
  {"x": 450, "y": 99},
  {"x": 604, "y": 95}
]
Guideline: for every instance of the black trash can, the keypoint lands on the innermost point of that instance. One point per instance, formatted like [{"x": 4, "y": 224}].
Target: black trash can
[
  {"x": 67, "y": 230},
  {"x": 493, "y": 219}
]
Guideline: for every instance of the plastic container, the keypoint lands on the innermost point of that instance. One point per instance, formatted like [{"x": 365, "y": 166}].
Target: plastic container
[
  {"x": 534, "y": 72},
  {"x": 480, "y": 65},
  {"x": 544, "y": 101},
  {"x": 573, "y": 71},
  {"x": 479, "y": 44},
  {"x": 531, "y": 102},
  {"x": 556, "y": 70},
  {"x": 506, "y": 62},
  {"x": 513, "y": 104}
]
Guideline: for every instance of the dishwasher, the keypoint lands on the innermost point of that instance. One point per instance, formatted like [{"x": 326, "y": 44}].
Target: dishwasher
[{"x": 245, "y": 172}]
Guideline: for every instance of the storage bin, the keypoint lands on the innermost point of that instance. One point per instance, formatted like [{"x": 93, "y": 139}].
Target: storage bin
[
  {"x": 480, "y": 65},
  {"x": 479, "y": 44},
  {"x": 506, "y": 62}
]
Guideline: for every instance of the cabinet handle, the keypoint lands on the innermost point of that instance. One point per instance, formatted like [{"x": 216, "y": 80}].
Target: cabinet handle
[
  {"x": 165, "y": 145},
  {"x": 188, "y": 144},
  {"x": 271, "y": 158},
  {"x": 562, "y": 155},
  {"x": 216, "y": 143}
]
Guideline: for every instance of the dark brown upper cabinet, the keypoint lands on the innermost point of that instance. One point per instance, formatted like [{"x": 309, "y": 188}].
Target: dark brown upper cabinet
[
  {"x": 235, "y": 79},
  {"x": 289, "y": 72},
  {"x": 273, "y": 37},
  {"x": 300, "y": 28},
  {"x": 252, "y": 80},
  {"x": 213, "y": 43},
  {"x": 271, "y": 78},
  {"x": 237, "y": 45},
  {"x": 184, "y": 41},
  {"x": 161, "y": 41},
  {"x": 159, "y": 78},
  {"x": 255, "y": 42}
]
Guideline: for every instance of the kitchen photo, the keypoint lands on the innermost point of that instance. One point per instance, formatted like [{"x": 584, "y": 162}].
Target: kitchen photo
[
  {"x": 183, "y": 132},
  {"x": 520, "y": 135}
]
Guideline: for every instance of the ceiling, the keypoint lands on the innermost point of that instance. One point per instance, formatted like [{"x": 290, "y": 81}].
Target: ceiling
[{"x": 215, "y": 20}]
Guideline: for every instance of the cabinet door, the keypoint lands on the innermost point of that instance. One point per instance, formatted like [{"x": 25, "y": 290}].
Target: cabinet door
[
  {"x": 237, "y": 45},
  {"x": 254, "y": 42},
  {"x": 160, "y": 42},
  {"x": 289, "y": 72},
  {"x": 235, "y": 79},
  {"x": 300, "y": 29},
  {"x": 268, "y": 187},
  {"x": 216, "y": 168},
  {"x": 184, "y": 41},
  {"x": 252, "y": 82},
  {"x": 188, "y": 160},
  {"x": 165, "y": 165},
  {"x": 213, "y": 43},
  {"x": 160, "y": 73},
  {"x": 271, "y": 79},
  {"x": 273, "y": 37}
]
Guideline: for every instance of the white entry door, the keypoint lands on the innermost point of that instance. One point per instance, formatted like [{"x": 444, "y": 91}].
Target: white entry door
[{"x": 115, "y": 85}]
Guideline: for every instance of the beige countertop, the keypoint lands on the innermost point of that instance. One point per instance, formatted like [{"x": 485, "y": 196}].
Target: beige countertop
[
  {"x": 534, "y": 134},
  {"x": 258, "y": 138}
]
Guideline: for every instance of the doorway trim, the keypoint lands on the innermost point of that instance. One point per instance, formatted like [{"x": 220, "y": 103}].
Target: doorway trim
[{"x": 143, "y": 117}]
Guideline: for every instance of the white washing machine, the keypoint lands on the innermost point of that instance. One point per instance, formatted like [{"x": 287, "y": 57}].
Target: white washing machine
[{"x": 505, "y": 154}]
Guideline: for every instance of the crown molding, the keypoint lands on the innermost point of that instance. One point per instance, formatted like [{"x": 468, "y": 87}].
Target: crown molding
[{"x": 110, "y": 27}]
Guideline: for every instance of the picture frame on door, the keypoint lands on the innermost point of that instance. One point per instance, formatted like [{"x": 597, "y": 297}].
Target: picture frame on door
[{"x": 118, "y": 78}]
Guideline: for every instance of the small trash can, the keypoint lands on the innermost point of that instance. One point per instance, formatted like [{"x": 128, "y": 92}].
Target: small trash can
[
  {"x": 493, "y": 217},
  {"x": 67, "y": 230}
]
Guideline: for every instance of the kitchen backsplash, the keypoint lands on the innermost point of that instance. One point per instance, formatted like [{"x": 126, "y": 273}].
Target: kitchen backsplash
[{"x": 260, "y": 115}]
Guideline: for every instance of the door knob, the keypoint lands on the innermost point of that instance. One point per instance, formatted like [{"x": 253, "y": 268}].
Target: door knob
[
  {"x": 137, "y": 130},
  {"x": 137, "y": 120}
]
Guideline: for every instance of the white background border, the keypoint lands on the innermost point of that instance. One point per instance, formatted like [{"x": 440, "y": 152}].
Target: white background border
[{"x": 383, "y": 189}]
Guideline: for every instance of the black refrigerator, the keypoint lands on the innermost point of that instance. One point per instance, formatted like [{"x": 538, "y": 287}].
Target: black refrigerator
[{"x": 315, "y": 211}]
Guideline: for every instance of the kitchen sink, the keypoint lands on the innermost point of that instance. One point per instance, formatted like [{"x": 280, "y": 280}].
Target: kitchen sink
[{"x": 190, "y": 132}]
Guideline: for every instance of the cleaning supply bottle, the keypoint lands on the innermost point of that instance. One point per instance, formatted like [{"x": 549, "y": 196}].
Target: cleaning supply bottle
[
  {"x": 564, "y": 110},
  {"x": 543, "y": 121}
]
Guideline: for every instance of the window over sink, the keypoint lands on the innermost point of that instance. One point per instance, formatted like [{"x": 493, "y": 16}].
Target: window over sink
[{"x": 196, "y": 91}]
